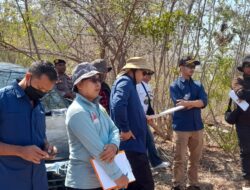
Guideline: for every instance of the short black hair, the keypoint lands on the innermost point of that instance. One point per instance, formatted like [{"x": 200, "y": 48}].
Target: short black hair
[{"x": 39, "y": 68}]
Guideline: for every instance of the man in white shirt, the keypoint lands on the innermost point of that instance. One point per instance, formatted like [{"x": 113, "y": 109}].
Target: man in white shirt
[
  {"x": 143, "y": 95},
  {"x": 146, "y": 95}
]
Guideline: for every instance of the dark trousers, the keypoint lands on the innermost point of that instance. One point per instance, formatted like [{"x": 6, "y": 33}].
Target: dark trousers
[
  {"x": 69, "y": 188},
  {"x": 243, "y": 133},
  {"x": 153, "y": 156},
  {"x": 141, "y": 170}
]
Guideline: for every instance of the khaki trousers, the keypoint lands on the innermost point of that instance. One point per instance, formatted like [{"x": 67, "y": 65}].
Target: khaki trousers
[{"x": 192, "y": 140}]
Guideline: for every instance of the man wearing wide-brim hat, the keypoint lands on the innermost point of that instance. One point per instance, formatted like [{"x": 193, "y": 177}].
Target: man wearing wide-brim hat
[
  {"x": 241, "y": 86},
  {"x": 129, "y": 117}
]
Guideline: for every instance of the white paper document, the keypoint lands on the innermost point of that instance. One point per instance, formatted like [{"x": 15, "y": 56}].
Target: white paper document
[
  {"x": 122, "y": 162},
  {"x": 243, "y": 104},
  {"x": 168, "y": 111}
]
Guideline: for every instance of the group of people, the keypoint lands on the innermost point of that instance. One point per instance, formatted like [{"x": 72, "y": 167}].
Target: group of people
[{"x": 101, "y": 121}]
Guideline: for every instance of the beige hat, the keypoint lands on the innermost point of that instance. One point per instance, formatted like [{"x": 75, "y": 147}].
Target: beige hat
[{"x": 135, "y": 63}]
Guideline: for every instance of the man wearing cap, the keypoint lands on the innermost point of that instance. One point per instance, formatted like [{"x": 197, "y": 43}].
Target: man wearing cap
[
  {"x": 187, "y": 124},
  {"x": 102, "y": 67},
  {"x": 64, "y": 83},
  {"x": 241, "y": 86},
  {"x": 128, "y": 115}
]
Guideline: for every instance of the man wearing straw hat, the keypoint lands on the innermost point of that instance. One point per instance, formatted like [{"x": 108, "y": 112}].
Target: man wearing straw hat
[{"x": 128, "y": 115}]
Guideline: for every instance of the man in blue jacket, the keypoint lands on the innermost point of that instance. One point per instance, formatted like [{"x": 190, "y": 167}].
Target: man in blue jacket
[
  {"x": 187, "y": 123},
  {"x": 23, "y": 144},
  {"x": 128, "y": 115}
]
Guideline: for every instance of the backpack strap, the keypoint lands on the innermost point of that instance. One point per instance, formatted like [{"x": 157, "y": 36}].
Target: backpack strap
[
  {"x": 149, "y": 101},
  {"x": 229, "y": 105}
]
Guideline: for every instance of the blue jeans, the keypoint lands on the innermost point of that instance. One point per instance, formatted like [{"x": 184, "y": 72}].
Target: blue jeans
[
  {"x": 153, "y": 155},
  {"x": 243, "y": 133}
]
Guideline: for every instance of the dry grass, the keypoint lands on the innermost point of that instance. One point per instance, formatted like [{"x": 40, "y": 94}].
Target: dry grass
[{"x": 218, "y": 170}]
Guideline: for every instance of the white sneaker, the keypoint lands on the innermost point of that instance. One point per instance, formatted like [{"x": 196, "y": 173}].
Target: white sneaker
[
  {"x": 162, "y": 165},
  {"x": 245, "y": 188},
  {"x": 247, "y": 185}
]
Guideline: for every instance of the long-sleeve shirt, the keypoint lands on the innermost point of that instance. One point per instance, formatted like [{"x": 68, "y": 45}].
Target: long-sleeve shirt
[
  {"x": 105, "y": 94},
  {"x": 241, "y": 86},
  {"x": 187, "y": 119},
  {"x": 127, "y": 113},
  {"x": 64, "y": 84},
  {"x": 89, "y": 129}
]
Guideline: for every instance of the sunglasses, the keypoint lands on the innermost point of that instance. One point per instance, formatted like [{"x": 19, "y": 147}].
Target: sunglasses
[
  {"x": 147, "y": 73},
  {"x": 95, "y": 79},
  {"x": 190, "y": 66}
]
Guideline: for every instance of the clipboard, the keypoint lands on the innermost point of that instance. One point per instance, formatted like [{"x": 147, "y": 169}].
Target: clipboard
[{"x": 122, "y": 162}]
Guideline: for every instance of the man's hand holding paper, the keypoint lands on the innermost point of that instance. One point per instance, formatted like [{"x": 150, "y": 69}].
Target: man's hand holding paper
[{"x": 242, "y": 103}]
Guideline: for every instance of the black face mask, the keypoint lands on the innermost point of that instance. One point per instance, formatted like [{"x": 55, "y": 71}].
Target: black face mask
[{"x": 33, "y": 93}]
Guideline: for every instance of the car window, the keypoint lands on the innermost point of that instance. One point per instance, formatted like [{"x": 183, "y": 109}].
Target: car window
[
  {"x": 54, "y": 100},
  {"x": 10, "y": 72}
]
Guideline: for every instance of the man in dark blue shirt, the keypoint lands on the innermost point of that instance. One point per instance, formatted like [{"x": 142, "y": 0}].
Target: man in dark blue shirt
[
  {"x": 128, "y": 115},
  {"x": 187, "y": 123},
  {"x": 23, "y": 145}
]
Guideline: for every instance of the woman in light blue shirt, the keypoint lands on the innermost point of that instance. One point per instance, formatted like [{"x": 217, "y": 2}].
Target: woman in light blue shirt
[{"x": 91, "y": 133}]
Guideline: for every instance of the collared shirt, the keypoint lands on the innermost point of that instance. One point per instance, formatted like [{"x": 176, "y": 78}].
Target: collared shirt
[
  {"x": 127, "y": 113},
  {"x": 187, "y": 119},
  {"x": 241, "y": 86},
  {"x": 21, "y": 124},
  {"x": 64, "y": 84},
  {"x": 105, "y": 94},
  {"x": 89, "y": 129}
]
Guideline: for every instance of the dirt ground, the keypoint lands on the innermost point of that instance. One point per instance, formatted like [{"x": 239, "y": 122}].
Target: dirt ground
[{"x": 218, "y": 170}]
